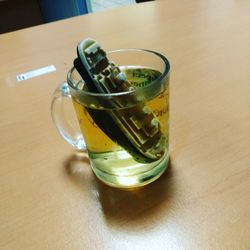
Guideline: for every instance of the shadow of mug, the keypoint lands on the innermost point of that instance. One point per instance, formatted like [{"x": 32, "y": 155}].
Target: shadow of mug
[{"x": 126, "y": 208}]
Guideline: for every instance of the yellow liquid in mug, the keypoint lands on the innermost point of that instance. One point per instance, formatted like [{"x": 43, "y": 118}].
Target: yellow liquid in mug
[{"x": 110, "y": 162}]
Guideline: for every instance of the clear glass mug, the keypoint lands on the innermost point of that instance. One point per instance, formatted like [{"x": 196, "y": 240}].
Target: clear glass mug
[{"x": 114, "y": 160}]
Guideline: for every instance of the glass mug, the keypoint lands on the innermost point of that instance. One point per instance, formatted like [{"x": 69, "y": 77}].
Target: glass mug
[{"x": 113, "y": 159}]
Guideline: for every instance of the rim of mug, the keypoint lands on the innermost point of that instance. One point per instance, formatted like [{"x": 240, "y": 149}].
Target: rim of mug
[{"x": 129, "y": 92}]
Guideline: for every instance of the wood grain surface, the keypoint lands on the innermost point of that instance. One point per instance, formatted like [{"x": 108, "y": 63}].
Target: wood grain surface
[{"x": 49, "y": 197}]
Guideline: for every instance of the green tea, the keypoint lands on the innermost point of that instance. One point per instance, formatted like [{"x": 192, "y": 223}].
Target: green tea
[{"x": 110, "y": 161}]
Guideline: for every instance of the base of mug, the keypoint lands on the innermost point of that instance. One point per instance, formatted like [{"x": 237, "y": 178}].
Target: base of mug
[{"x": 126, "y": 182}]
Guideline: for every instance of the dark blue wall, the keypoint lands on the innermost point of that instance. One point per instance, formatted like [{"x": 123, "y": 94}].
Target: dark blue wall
[{"x": 53, "y": 10}]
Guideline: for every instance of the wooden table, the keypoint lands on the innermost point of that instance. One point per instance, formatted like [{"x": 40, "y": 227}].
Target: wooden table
[{"x": 49, "y": 198}]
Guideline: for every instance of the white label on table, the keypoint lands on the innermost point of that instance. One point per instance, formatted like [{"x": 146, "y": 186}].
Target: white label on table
[{"x": 36, "y": 72}]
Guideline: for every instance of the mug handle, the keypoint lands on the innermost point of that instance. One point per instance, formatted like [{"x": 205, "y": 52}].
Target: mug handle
[{"x": 68, "y": 130}]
